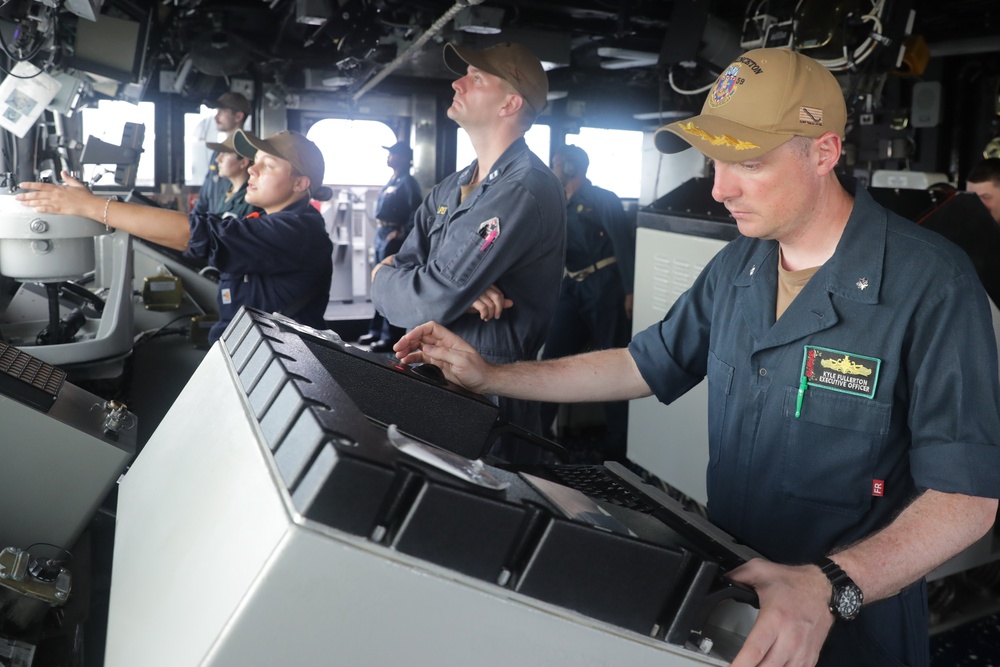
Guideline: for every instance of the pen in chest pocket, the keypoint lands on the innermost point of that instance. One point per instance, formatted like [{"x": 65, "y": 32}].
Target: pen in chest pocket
[
  {"x": 490, "y": 237},
  {"x": 489, "y": 231}
]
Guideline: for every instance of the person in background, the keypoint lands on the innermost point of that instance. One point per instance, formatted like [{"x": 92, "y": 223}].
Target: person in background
[
  {"x": 486, "y": 252},
  {"x": 397, "y": 201},
  {"x": 234, "y": 168},
  {"x": 231, "y": 113},
  {"x": 595, "y": 301},
  {"x": 854, "y": 435},
  {"x": 984, "y": 181},
  {"x": 278, "y": 261}
]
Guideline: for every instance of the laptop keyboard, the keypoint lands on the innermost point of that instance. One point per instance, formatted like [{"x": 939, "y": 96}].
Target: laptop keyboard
[{"x": 596, "y": 482}]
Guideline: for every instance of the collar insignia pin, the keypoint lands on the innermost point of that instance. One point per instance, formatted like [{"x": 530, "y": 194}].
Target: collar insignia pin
[
  {"x": 753, "y": 269},
  {"x": 862, "y": 284}
]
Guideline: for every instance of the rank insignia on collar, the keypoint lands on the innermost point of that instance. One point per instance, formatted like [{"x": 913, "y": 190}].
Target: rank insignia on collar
[
  {"x": 840, "y": 371},
  {"x": 862, "y": 284},
  {"x": 442, "y": 210},
  {"x": 753, "y": 269}
]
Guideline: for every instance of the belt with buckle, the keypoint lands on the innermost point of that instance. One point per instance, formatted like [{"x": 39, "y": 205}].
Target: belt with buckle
[{"x": 587, "y": 271}]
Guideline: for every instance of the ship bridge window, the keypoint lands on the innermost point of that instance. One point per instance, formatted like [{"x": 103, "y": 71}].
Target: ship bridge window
[
  {"x": 615, "y": 158},
  {"x": 106, "y": 123},
  {"x": 538, "y": 139},
  {"x": 352, "y": 150}
]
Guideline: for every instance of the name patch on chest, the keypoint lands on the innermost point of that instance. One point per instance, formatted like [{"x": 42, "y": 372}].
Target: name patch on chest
[{"x": 840, "y": 371}]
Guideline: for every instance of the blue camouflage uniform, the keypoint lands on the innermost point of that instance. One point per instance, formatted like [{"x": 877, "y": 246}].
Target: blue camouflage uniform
[
  {"x": 591, "y": 308},
  {"x": 509, "y": 231},
  {"x": 895, "y": 300},
  {"x": 280, "y": 262}
]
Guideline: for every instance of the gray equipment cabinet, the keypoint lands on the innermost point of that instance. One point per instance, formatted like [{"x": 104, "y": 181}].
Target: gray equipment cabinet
[{"x": 676, "y": 237}]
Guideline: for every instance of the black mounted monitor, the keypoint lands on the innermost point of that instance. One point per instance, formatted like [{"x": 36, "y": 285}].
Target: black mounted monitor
[
  {"x": 125, "y": 157},
  {"x": 113, "y": 46}
]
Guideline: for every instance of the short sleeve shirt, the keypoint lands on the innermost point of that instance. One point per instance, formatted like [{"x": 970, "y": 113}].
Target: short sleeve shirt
[{"x": 794, "y": 478}]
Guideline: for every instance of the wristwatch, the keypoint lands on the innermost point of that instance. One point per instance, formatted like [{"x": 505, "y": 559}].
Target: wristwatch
[{"x": 845, "y": 602}]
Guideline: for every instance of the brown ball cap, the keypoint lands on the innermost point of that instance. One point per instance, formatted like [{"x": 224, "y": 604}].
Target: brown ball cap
[
  {"x": 304, "y": 156},
  {"x": 226, "y": 146},
  {"x": 513, "y": 63},
  {"x": 231, "y": 100}
]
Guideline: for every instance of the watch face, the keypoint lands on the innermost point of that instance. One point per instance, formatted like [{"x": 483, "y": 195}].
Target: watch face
[{"x": 848, "y": 601}]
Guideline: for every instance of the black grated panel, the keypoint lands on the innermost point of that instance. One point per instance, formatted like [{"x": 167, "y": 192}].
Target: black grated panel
[{"x": 28, "y": 379}]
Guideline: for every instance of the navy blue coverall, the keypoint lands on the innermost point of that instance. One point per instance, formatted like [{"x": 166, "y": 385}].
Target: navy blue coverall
[
  {"x": 282, "y": 262},
  {"x": 591, "y": 309},
  {"x": 394, "y": 213},
  {"x": 509, "y": 231},
  {"x": 895, "y": 299}
]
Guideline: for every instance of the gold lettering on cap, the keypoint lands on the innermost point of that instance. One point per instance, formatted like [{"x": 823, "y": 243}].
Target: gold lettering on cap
[
  {"x": 754, "y": 67},
  {"x": 718, "y": 140},
  {"x": 810, "y": 116}
]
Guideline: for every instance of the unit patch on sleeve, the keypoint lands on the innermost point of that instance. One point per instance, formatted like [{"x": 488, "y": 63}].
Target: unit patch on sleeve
[{"x": 840, "y": 371}]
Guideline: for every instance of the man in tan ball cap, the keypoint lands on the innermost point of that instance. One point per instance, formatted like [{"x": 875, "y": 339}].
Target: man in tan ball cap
[{"x": 854, "y": 435}]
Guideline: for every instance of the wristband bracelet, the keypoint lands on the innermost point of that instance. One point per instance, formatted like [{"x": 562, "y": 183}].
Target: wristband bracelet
[{"x": 106, "y": 205}]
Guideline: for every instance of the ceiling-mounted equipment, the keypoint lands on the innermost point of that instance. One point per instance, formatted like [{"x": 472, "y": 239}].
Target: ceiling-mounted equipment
[
  {"x": 626, "y": 58},
  {"x": 85, "y": 9},
  {"x": 479, "y": 20},
  {"x": 312, "y": 12},
  {"x": 415, "y": 47},
  {"x": 219, "y": 54}
]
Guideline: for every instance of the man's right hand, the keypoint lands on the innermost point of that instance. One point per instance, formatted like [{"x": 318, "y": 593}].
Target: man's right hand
[
  {"x": 432, "y": 343},
  {"x": 490, "y": 304}
]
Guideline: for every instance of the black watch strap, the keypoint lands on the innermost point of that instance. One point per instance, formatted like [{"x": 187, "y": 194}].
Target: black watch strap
[
  {"x": 846, "y": 598},
  {"x": 833, "y": 572}
]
